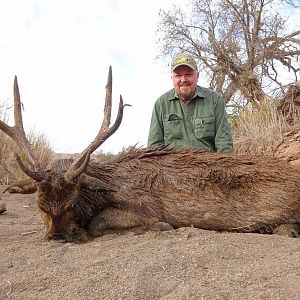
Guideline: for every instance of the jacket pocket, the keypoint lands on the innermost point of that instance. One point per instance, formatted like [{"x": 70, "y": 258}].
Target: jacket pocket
[
  {"x": 173, "y": 126},
  {"x": 205, "y": 127}
]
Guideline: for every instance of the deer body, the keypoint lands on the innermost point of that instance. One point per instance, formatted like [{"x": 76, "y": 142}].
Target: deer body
[
  {"x": 79, "y": 198},
  {"x": 206, "y": 190}
]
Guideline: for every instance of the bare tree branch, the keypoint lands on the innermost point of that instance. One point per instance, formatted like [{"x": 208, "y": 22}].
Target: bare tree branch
[{"x": 240, "y": 44}]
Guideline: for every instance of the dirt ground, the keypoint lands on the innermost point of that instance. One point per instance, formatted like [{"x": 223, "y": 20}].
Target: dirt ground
[{"x": 186, "y": 263}]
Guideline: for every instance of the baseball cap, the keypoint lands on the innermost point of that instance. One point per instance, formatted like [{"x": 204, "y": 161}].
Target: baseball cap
[{"x": 184, "y": 60}]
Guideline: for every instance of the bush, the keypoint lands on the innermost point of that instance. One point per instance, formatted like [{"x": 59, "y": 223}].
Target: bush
[
  {"x": 9, "y": 169},
  {"x": 260, "y": 130}
]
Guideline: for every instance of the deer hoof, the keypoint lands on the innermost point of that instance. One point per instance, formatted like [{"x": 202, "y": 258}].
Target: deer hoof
[
  {"x": 161, "y": 226},
  {"x": 290, "y": 230},
  {"x": 2, "y": 207}
]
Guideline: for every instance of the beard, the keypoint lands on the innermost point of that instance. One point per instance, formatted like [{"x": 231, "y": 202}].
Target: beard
[{"x": 186, "y": 92}]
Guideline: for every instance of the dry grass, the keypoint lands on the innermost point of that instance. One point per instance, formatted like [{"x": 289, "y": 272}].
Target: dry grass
[
  {"x": 260, "y": 130},
  {"x": 9, "y": 170}
]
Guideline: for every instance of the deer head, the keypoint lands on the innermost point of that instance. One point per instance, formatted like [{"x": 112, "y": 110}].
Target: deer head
[{"x": 58, "y": 188}]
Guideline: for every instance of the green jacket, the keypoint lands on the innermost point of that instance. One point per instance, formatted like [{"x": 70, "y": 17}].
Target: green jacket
[{"x": 201, "y": 124}]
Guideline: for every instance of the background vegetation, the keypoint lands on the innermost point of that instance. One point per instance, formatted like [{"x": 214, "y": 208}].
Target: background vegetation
[
  {"x": 243, "y": 46},
  {"x": 9, "y": 170}
]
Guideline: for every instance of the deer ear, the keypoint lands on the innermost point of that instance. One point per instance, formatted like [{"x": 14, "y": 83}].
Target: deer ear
[{"x": 95, "y": 184}]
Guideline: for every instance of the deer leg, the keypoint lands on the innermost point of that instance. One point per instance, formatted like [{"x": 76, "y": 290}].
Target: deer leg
[
  {"x": 116, "y": 219},
  {"x": 112, "y": 218},
  {"x": 22, "y": 186},
  {"x": 160, "y": 226},
  {"x": 290, "y": 230}
]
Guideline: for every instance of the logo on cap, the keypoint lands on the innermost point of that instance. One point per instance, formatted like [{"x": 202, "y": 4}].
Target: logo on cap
[{"x": 184, "y": 60}]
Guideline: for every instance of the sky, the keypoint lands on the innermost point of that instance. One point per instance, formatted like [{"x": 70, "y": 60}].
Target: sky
[{"x": 61, "y": 51}]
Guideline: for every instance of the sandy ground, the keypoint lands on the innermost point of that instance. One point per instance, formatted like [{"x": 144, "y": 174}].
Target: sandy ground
[{"x": 187, "y": 263}]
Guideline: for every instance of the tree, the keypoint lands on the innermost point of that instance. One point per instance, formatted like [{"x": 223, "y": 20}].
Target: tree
[{"x": 240, "y": 44}]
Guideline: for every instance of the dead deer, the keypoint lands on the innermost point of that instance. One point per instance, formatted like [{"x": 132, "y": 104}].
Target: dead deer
[{"x": 145, "y": 187}]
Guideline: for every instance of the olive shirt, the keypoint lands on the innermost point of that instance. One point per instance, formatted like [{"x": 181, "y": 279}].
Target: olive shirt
[{"x": 202, "y": 123}]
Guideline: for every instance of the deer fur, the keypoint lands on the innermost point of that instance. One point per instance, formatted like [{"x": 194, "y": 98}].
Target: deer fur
[{"x": 206, "y": 190}]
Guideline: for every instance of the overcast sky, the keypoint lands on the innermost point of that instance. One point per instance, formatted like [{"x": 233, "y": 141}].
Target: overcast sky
[{"x": 61, "y": 51}]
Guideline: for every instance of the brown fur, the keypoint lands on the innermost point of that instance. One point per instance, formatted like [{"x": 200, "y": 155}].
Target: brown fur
[
  {"x": 207, "y": 190},
  {"x": 179, "y": 187}
]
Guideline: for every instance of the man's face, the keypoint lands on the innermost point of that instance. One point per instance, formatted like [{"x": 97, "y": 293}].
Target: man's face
[{"x": 185, "y": 82}]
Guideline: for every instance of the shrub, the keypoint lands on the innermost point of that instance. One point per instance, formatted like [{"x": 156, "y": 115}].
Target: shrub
[{"x": 9, "y": 170}]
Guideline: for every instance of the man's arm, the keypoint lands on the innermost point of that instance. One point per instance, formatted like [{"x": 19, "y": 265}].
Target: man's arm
[
  {"x": 223, "y": 138},
  {"x": 156, "y": 132}
]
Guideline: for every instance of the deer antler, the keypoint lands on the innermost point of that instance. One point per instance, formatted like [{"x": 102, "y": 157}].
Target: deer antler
[
  {"x": 17, "y": 133},
  {"x": 80, "y": 164}
]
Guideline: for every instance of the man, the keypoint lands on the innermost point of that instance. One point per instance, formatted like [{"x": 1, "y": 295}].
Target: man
[{"x": 190, "y": 116}]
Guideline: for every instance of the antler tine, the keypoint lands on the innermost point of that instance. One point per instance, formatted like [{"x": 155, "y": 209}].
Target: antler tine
[
  {"x": 36, "y": 175},
  {"x": 79, "y": 165},
  {"x": 24, "y": 143},
  {"x": 101, "y": 136},
  {"x": 17, "y": 132},
  {"x": 106, "y": 131},
  {"x": 108, "y": 100}
]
